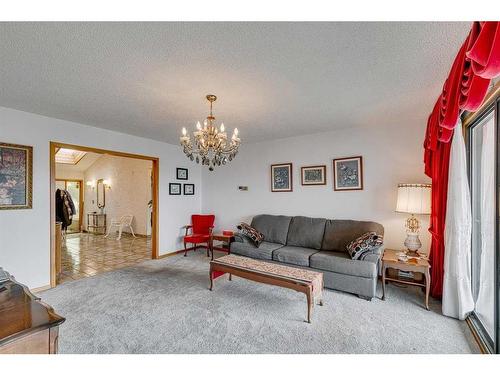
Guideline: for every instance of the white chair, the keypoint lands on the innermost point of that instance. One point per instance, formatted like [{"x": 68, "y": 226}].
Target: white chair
[{"x": 124, "y": 221}]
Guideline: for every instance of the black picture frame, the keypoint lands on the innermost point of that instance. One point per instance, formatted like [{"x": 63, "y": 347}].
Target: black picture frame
[
  {"x": 179, "y": 174},
  {"x": 172, "y": 186},
  {"x": 187, "y": 192}
]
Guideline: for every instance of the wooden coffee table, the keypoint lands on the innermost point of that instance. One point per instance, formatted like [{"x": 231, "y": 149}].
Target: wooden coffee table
[{"x": 305, "y": 281}]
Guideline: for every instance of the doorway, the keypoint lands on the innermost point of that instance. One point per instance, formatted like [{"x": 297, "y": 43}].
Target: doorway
[
  {"x": 75, "y": 189},
  {"x": 112, "y": 226}
]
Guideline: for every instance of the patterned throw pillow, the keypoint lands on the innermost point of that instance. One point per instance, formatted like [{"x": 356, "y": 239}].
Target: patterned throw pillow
[
  {"x": 253, "y": 234},
  {"x": 364, "y": 245}
]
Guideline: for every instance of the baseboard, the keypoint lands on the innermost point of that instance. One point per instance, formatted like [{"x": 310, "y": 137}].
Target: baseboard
[
  {"x": 170, "y": 254},
  {"x": 40, "y": 289},
  {"x": 181, "y": 251}
]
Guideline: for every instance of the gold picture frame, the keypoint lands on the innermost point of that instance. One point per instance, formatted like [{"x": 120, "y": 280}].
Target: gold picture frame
[{"x": 16, "y": 176}]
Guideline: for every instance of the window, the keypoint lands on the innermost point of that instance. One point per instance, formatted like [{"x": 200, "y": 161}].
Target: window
[{"x": 483, "y": 164}]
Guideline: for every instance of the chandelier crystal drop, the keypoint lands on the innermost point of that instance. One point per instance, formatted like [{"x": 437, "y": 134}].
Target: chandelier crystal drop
[{"x": 211, "y": 146}]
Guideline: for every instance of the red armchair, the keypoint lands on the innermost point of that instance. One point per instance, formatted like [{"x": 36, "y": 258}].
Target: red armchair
[{"x": 201, "y": 232}]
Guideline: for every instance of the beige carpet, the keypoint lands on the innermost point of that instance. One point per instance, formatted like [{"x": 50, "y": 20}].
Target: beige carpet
[{"x": 164, "y": 306}]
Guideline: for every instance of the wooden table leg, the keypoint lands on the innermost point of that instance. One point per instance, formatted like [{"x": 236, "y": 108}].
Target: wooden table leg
[
  {"x": 230, "y": 276},
  {"x": 427, "y": 288},
  {"x": 211, "y": 279},
  {"x": 309, "y": 304},
  {"x": 321, "y": 294},
  {"x": 383, "y": 281}
]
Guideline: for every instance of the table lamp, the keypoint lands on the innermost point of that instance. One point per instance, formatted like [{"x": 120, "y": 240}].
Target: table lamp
[{"x": 414, "y": 199}]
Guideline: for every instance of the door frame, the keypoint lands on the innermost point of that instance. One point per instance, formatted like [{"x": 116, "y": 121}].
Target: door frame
[
  {"x": 53, "y": 146},
  {"x": 80, "y": 201}
]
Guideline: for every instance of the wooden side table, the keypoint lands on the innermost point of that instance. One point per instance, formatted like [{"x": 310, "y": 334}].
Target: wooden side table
[
  {"x": 222, "y": 238},
  {"x": 422, "y": 265}
]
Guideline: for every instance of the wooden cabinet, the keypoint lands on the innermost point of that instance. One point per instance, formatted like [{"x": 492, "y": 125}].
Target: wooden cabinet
[{"x": 27, "y": 325}]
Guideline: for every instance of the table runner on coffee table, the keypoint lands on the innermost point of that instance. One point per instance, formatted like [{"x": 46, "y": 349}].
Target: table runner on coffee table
[{"x": 299, "y": 274}]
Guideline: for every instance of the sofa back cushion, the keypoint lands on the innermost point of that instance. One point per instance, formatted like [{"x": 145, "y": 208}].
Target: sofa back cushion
[
  {"x": 339, "y": 233},
  {"x": 273, "y": 227},
  {"x": 306, "y": 232}
]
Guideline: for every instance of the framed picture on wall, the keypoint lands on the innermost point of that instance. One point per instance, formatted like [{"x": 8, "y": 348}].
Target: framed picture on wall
[
  {"x": 182, "y": 173},
  {"x": 174, "y": 188},
  {"x": 348, "y": 173},
  {"x": 16, "y": 176},
  {"x": 281, "y": 177},
  {"x": 188, "y": 189},
  {"x": 313, "y": 175}
]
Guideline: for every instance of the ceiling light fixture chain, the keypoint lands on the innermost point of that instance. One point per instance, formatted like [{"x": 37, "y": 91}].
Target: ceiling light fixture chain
[{"x": 211, "y": 146}]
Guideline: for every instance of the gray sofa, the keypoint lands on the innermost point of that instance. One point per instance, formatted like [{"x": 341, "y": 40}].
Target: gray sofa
[{"x": 319, "y": 244}]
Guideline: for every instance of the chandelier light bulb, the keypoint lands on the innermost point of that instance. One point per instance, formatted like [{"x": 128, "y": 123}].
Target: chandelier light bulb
[
  {"x": 184, "y": 132},
  {"x": 236, "y": 131},
  {"x": 205, "y": 123},
  {"x": 222, "y": 127},
  {"x": 198, "y": 125}
]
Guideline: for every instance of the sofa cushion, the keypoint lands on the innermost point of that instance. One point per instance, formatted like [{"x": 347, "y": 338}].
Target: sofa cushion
[
  {"x": 294, "y": 255},
  {"x": 273, "y": 227},
  {"x": 341, "y": 263},
  {"x": 306, "y": 232},
  {"x": 339, "y": 233},
  {"x": 264, "y": 251}
]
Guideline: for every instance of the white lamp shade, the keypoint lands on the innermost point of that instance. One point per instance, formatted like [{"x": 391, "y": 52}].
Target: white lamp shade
[{"x": 414, "y": 198}]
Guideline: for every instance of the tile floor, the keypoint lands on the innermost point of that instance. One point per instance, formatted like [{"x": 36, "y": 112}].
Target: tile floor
[{"x": 85, "y": 254}]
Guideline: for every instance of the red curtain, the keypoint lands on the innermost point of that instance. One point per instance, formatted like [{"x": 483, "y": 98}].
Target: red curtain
[{"x": 477, "y": 61}]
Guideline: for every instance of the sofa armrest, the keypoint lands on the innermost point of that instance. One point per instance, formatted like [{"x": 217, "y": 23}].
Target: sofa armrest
[{"x": 375, "y": 255}]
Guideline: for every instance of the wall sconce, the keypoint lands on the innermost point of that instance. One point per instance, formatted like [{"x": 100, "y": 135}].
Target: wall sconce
[
  {"x": 91, "y": 184},
  {"x": 107, "y": 183}
]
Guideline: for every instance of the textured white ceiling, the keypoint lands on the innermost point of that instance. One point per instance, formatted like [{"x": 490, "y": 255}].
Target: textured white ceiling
[
  {"x": 84, "y": 163},
  {"x": 273, "y": 80}
]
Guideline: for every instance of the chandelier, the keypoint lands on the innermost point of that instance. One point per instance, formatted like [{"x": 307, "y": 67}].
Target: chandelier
[{"x": 211, "y": 146}]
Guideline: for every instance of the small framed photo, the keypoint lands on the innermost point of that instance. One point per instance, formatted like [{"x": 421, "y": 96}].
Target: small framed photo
[
  {"x": 174, "y": 188},
  {"x": 188, "y": 189},
  {"x": 182, "y": 173},
  {"x": 281, "y": 177},
  {"x": 348, "y": 173},
  {"x": 313, "y": 175},
  {"x": 16, "y": 176}
]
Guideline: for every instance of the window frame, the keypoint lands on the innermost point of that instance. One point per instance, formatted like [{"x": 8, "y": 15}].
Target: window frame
[{"x": 489, "y": 344}]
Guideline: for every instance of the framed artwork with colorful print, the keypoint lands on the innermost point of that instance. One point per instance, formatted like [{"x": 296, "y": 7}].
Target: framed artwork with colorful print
[
  {"x": 281, "y": 177},
  {"x": 313, "y": 175},
  {"x": 348, "y": 173},
  {"x": 16, "y": 176}
]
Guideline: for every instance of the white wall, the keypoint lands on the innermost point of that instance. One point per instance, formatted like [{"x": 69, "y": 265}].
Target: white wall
[
  {"x": 390, "y": 155},
  {"x": 25, "y": 234},
  {"x": 130, "y": 192}
]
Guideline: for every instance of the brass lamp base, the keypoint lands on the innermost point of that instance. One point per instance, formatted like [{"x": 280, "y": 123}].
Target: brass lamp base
[{"x": 412, "y": 253}]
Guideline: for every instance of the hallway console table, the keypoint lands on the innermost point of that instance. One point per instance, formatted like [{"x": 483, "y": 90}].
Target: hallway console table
[{"x": 96, "y": 223}]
